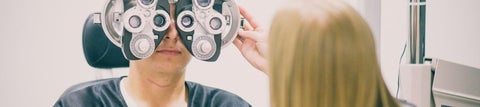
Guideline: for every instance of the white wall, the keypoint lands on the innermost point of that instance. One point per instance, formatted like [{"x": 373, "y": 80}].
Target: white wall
[
  {"x": 452, "y": 33},
  {"x": 394, "y": 31},
  {"x": 41, "y": 51}
]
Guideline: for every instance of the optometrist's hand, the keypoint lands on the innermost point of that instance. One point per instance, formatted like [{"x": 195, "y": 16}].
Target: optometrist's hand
[{"x": 252, "y": 42}]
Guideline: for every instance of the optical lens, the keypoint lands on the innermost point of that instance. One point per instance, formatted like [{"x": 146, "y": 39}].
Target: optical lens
[
  {"x": 146, "y": 2},
  {"x": 204, "y": 3},
  {"x": 134, "y": 21},
  {"x": 159, "y": 20},
  {"x": 187, "y": 21},
  {"x": 215, "y": 23}
]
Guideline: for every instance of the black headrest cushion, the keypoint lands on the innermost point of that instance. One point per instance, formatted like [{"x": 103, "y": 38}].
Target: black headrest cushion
[{"x": 97, "y": 48}]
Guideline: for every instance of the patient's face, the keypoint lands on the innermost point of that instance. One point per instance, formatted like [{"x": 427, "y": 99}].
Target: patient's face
[{"x": 171, "y": 54}]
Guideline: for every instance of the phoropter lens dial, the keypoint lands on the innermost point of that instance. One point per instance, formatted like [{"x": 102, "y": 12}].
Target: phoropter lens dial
[{"x": 134, "y": 21}]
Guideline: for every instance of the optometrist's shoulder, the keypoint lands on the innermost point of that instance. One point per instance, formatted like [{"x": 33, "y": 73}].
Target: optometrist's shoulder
[{"x": 251, "y": 41}]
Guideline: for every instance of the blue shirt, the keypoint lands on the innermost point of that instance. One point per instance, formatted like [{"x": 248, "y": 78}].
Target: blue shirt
[{"x": 106, "y": 93}]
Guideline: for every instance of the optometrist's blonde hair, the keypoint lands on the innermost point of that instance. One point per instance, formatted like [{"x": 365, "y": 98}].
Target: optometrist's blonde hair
[{"x": 322, "y": 54}]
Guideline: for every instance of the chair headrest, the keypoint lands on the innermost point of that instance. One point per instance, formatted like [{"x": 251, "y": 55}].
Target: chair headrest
[{"x": 97, "y": 48}]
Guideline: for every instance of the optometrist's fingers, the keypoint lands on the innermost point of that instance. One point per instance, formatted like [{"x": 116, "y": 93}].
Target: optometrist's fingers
[
  {"x": 247, "y": 26},
  {"x": 238, "y": 43},
  {"x": 253, "y": 35},
  {"x": 249, "y": 18},
  {"x": 251, "y": 53}
]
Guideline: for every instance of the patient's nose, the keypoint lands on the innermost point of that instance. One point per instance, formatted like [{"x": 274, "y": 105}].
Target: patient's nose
[{"x": 172, "y": 30}]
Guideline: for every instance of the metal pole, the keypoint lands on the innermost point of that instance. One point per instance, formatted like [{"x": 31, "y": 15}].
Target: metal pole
[{"x": 417, "y": 32}]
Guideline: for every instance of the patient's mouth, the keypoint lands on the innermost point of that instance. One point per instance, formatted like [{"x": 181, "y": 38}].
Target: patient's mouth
[{"x": 169, "y": 52}]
